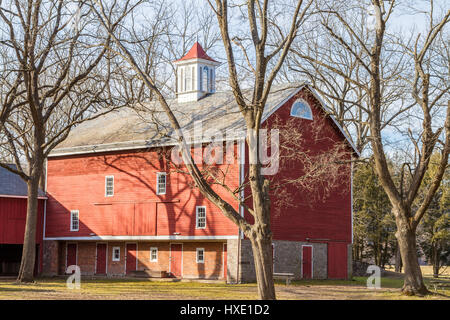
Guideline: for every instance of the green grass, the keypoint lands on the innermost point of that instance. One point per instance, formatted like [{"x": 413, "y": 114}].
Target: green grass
[
  {"x": 118, "y": 288},
  {"x": 356, "y": 281},
  {"x": 132, "y": 288}
]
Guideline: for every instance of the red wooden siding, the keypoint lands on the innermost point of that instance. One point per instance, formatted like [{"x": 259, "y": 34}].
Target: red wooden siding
[
  {"x": 13, "y": 213},
  {"x": 176, "y": 256},
  {"x": 101, "y": 259},
  {"x": 307, "y": 262},
  {"x": 304, "y": 220},
  {"x": 78, "y": 183},
  {"x": 337, "y": 260}
]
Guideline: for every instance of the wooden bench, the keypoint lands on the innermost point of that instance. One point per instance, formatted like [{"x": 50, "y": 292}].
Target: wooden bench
[
  {"x": 287, "y": 276},
  {"x": 439, "y": 284}
]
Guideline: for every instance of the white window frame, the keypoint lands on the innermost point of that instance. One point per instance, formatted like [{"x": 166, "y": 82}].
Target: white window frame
[
  {"x": 196, "y": 217},
  {"x": 151, "y": 251},
  {"x": 159, "y": 174},
  {"x": 72, "y": 212},
  {"x": 203, "y": 255},
  {"x": 106, "y": 186},
  {"x": 113, "y": 254}
]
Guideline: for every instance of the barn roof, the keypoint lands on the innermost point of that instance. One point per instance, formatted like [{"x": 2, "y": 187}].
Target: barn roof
[
  {"x": 126, "y": 129},
  {"x": 12, "y": 185}
]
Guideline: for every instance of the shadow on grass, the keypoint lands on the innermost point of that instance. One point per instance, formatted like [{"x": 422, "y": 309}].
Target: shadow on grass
[{"x": 22, "y": 289}]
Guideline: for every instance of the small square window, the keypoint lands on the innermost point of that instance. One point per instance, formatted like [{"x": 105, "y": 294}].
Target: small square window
[
  {"x": 161, "y": 181},
  {"x": 109, "y": 186},
  {"x": 200, "y": 217},
  {"x": 74, "y": 220},
  {"x": 116, "y": 254},
  {"x": 154, "y": 254},
  {"x": 200, "y": 255}
]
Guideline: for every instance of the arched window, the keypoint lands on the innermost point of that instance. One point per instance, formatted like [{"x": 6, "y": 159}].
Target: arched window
[
  {"x": 301, "y": 109},
  {"x": 205, "y": 77},
  {"x": 187, "y": 82},
  {"x": 193, "y": 79}
]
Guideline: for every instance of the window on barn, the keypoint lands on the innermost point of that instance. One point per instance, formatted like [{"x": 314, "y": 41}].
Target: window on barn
[
  {"x": 200, "y": 255},
  {"x": 205, "y": 79},
  {"x": 301, "y": 109},
  {"x": 200, "y": 218},
  {"x": 154, "y": 254},
  {"x": 109, "y": 186},
  {"x": 211, "y": 80},
  {"x": 116, "y": 254},
  {"x": 193, "y": 79},
  {"x": 74, "y": 220},
  {"x": 187, "y": 84},
  {"x": 161, "y": 182}
]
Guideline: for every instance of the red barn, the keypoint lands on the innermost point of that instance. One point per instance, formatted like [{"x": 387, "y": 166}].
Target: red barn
[
  {"x": 13, "y": 212},
  {"x": 118, "y": 205}
]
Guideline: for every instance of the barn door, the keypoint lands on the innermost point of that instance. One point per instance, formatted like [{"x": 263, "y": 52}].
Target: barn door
[
  {"x": 176, "y": 255},
  {"x": 71, "y": 255},
  {"x": 225, "y": 261},
  {"x": 101, "y": 259},
  {"x": 131, "y": 257},
  {"x": 307, "y": 266},
  {"x": 337, "y": 260}
]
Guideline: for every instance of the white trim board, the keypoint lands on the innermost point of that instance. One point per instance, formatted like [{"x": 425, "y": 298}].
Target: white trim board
[
  {"x": 138, "y": 144},
  {"x": 143, "y": 238},
  {"x": 19, "y": 197}
]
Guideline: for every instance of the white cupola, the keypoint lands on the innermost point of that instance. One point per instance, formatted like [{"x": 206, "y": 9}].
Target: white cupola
[{"x": 196, "y": 75}]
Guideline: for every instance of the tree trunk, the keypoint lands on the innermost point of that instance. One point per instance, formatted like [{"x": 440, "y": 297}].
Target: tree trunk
[
  {"x": 398, "y": 260},
  {"x": 261, "y": 234},
  {"x": 26, "y": 271},
  {"x": 413, "y": 281},
  {"x": 262, "y": 254},
  {"x": 436, "y": 262}
]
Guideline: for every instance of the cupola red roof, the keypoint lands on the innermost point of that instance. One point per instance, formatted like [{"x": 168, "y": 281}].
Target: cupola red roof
[{"x": 196, "y": 52}]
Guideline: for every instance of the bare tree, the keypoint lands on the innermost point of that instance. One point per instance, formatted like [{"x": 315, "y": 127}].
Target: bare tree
[
  {"x": 372, "y": 52},
  {"x": 60, "y": 82},
  {"x": 10, "y": 80},
  {"x": 265, "y": 34}
]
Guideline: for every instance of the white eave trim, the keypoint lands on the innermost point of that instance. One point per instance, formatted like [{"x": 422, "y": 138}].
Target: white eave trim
[
  {"x": 127, "y": 238},
  {"x": 196, "y": 60},
  {"x": 279, "y": 105},
  {"x": 20, "y": 197},
  {"x": 89, "y": 149},
  {"x": 317, "y": 96}
]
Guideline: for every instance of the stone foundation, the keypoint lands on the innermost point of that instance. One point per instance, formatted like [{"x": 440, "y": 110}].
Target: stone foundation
[
  {"x": 287, "y": 259},
  {"x": 50, "y": 259}
]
